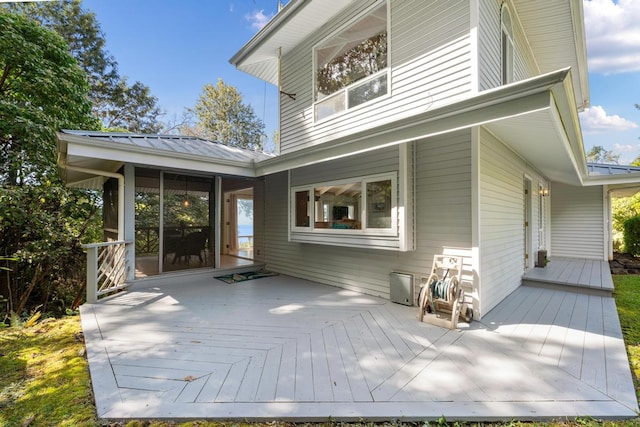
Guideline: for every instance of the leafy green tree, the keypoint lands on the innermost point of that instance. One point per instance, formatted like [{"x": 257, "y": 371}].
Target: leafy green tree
[
  {"x": 118, "y": 105},
  {"x": 225, "y": 118},
  {"x": 133, "y": 108},
  {"x": 42, "y": 89},
  {"x": 598, "y": 154},
  {"x": 81, "y": 30}
]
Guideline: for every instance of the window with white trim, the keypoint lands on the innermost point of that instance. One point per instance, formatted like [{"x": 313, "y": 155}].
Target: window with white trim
[
  {"x": 363, "y": 205},
  {"x": 506, "y": 45},
  {"x": 351, "y": 66}
]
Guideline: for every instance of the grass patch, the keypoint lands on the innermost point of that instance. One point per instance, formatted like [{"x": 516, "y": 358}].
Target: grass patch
[
  {"x": 44, "y": 377},
  {"x": 627, "y": 295}
]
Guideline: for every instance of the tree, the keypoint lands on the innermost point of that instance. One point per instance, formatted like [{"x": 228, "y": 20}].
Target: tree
[
  {"x": 225, "y": 118},
  {"x": 132, "y": 108},
  {"x": 42, "y": 89},
  {"x": 598, "y": 154},
  {"x": 115, "y": 102}
]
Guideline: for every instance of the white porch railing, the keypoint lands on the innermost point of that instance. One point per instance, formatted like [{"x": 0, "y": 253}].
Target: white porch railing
[{"x": 107, "y": 268}]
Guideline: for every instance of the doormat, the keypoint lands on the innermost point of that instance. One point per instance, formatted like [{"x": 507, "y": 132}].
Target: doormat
[{"x": 241, "y": 277}]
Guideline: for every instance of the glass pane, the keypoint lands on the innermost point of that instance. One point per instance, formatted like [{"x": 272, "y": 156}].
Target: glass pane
[
  {"x": 358, "y": 51},
  {"x": 330, "y": 106},
  {"x": 302, "y": 208},
  {"x": 379, "y": 204},
  {"x": 367, "y": 91},
  {"x": 338, "y": 206},
  {"x": 244, "y": 213}
]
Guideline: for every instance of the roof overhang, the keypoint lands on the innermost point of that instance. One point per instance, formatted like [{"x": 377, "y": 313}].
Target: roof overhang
[
  {"x": 87, "y": 160},
  {"x": 536, "y": 118},
  {"x": 298, "y": 20},
  {"x": 621, "y": 180}
]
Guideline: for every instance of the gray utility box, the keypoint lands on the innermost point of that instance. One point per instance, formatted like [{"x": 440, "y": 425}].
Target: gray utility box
[{"x": 401, "y": 285}]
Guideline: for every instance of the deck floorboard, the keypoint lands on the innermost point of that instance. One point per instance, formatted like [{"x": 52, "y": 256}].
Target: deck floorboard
[{"x": 284, "y": 348}]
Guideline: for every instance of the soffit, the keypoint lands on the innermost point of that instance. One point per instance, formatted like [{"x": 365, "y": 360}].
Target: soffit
[
  {"x": 538, "y": 138},
  {"x": 297, "y": 21}
]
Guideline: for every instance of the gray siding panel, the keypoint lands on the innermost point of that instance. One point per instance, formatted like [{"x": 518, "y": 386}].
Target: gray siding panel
[
  {"x": 443, "y": 220},
  {"x": 489, "y": 49},
  {"x": 501, "y": 221},
  {"x": 577, "y": 222},
  {"x": 379, "y": 161},
  {"x": 489, "y": 45},
  {"x": 430, "y": 66}
]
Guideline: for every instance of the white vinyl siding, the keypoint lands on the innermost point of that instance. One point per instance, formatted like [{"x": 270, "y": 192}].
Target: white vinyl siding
[
  {"x": 577, "y": 222},
  {"x": 489, "y": 38},
  {"x": 443, "y": 218},
  {"x": 501, "y": 221},
  {"x": 429, "y": 50},
  {"x": 489, "y": 45}
]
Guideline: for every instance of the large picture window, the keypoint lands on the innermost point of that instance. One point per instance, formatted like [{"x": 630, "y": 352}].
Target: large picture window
[
  {"x": 361, "y": 205},
  {"x": 351, "y": 66}
]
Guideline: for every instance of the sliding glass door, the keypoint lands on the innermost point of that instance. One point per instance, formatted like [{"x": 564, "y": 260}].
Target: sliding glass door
[
  {"x": 187, "y": 224},
  {"x": 174, "y": 222}
]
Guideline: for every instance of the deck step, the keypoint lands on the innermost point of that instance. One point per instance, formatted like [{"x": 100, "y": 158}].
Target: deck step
[
  {"x": 569, "y": 287},
  {"x": 572, "y": 274}
]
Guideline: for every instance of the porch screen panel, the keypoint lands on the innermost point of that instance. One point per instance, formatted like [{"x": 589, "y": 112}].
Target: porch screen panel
[{"x": 147, "y": 222}]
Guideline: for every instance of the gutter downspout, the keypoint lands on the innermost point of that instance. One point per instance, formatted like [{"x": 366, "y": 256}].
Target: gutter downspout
[{"x": 120, "y": 178}]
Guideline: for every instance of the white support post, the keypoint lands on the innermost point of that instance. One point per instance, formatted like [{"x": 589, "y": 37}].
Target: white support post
[
  {"x": 218, "y": 216},
  {"x": 92, "y": 275}
]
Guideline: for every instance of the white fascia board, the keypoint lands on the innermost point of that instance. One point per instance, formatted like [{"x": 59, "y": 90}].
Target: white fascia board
[
  {"x": 577, "y": 15},
  {"x": 272, "y": 26},
  {"x": 78, "y": 146},
  {"x": 563, "y": 97},
  {"x": 632, "y": 179},
  {"x": 492, "y": 105}
]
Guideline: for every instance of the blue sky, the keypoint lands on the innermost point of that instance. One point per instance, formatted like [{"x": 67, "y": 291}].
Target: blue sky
[{"x": 177, "y": 46}]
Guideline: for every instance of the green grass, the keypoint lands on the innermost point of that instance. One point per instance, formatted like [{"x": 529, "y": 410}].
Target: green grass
[
  {"x": 627, "y": 295},
  {"x": 44, "y": 377}
]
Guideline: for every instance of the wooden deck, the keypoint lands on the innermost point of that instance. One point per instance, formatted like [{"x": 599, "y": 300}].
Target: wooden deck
[
  {"x": 579, "y": 275},
  {"x": 289, "y": 349}
]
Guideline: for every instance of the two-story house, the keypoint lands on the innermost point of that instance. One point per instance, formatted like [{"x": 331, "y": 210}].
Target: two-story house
[{"x": 408, "y": 129}]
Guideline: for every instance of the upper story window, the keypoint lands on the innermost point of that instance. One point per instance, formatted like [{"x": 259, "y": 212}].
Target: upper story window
[
  {"x": 506, "y": 46},
  {"x": 351, "y": 65}
]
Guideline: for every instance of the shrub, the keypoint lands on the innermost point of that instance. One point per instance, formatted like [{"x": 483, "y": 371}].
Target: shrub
[
  {"x": 41, "y": 228},
  {"x": 632, "y": 235}
]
